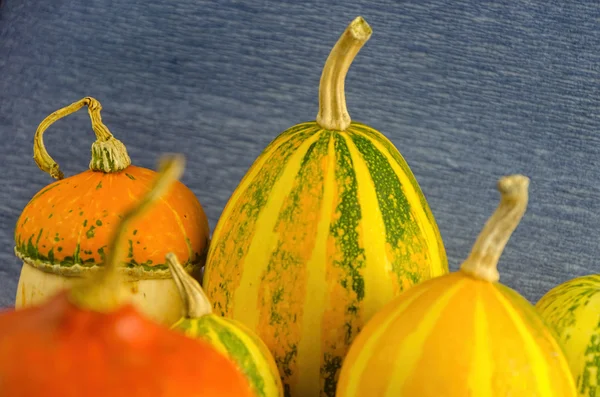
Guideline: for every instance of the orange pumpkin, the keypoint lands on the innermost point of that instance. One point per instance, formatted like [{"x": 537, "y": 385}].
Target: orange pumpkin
[
  {"x": 88, "y": 341},
  {"x": 63, "y": 232}
]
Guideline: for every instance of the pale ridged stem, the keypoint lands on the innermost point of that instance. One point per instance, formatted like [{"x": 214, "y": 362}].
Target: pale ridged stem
[
  {"x": 482, "y": 262},
  {"x": 333, "y": 114}
]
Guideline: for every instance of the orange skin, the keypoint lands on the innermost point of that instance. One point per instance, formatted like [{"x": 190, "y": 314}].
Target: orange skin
[
  {"x": 60, "y": 350},
  {"x": 71, "y": 221}
]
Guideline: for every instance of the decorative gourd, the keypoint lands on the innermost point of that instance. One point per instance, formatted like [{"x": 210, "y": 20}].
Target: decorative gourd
[
  {"x": 572, "y": 309},
  {"x": 229, "y": 336},
  {"x": 461, "y": 334},
  {"x": 88, "y": 340},
  {"x": 327, "y": 225},
  {"x": 62, "y": 233}
]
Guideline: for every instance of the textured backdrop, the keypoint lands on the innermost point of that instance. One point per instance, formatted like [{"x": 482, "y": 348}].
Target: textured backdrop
[{"x": 468, "y": 90}]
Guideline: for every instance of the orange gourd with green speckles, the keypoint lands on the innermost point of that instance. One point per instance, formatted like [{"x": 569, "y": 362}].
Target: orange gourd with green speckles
[{"x": 63, "y": 232}]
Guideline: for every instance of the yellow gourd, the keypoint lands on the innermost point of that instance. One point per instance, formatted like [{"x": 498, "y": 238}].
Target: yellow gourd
[
  {"x": 462, "y": 334},
  {"x": 327, "y": 226}
]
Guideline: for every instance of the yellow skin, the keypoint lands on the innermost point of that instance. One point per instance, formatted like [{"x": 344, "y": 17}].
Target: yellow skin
[{"x": 472, "y": 338}]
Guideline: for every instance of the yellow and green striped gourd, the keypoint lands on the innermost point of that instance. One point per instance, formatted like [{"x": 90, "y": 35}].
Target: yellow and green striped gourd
[
  {"x": 462, "y": 334},
  {"x": 230, "y": 337},
  {"x": 327, "y": 226},
  {"x": 572, "y": 309}
]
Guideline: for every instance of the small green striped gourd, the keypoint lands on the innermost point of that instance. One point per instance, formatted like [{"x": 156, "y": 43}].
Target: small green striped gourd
[
  {"x": 230, "y": 337},
  {"x": 461, "y": 334},
  {"x": 328, "y": 225},
  {"x": 572, "y": 309}
]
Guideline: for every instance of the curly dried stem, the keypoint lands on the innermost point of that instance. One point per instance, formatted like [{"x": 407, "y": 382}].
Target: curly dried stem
[
  {"x": 105, "y": 291},
  {"x": 333, "y": 114},
  {"x": 195, "y": 302},
  {"x": 108, "y": 153},
  {"x": 482, "y": 262}
]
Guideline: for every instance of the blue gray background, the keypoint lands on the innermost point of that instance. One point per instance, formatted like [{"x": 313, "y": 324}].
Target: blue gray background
[{"x": 468, "y": 90}]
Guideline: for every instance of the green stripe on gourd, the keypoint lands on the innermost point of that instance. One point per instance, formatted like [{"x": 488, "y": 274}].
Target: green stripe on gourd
[
  {"x": 391, "y": 151},
  {"x": 344, "y": 229},
  {"x": 396, "y": 212}
]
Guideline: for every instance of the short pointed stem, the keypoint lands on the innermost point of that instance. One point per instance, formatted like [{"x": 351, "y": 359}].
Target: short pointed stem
[
  {"x": 105, "y": 291},
  {"x": 195, "y": 302},
  {"x": 108, "y": 153},
  {"x": 333, "y": 114},
  {"x": 483, "y": 260}
]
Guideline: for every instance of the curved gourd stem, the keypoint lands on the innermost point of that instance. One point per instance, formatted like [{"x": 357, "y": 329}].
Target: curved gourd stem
[
  {"x": 195, "y": 302},
  {"x": 108, "y": 153},
  {"x": 105, "y": 291},
  {"x": 482, "y": 262},
  {"x": 333, "y": 114}
]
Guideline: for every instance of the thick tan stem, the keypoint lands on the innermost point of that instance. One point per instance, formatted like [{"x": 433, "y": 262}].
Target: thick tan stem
[
  {"x": 483, "y": 260},
  {"x": 108, "y": 153},
  {"x": 333, "y": 114},
  {"x": 105, "y": 291},
  {"x": 195, "y": 301}
]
